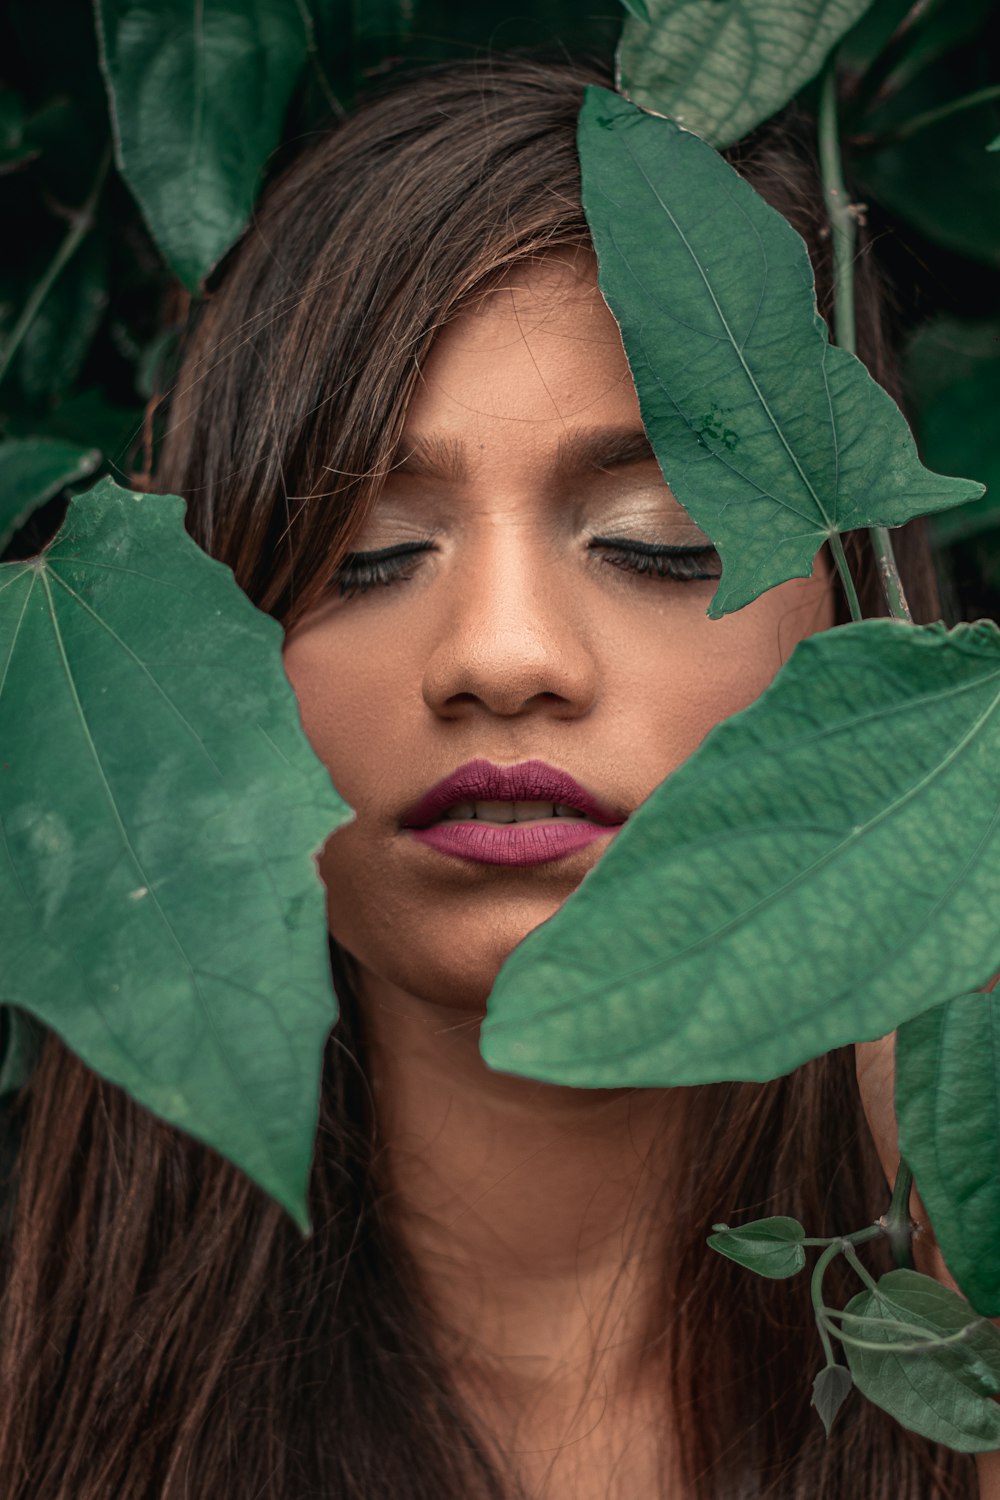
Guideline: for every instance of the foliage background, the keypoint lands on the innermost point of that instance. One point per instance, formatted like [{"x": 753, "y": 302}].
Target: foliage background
[{"x": 96, "y": 354}]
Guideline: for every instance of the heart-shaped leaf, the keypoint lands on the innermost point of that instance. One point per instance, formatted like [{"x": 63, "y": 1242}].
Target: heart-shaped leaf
[
  {"x": 723, "y": 68},
  {"x": 943, "y": 1392},
  {"x": 948, "y": 1107},
  {"x": 822, "y": 868},
  {"x": 160, "y": 806},
  {"x": 771, "y": 1247},
  {"x": 198, "y": 98},
  {"x": 772, "y": 438}
]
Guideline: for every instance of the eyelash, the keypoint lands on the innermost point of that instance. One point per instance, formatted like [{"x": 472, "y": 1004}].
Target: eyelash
[{"x": 361, "y": 571}]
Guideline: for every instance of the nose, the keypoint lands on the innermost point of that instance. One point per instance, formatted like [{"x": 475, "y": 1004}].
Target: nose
[{"x": 510, "y": 625}]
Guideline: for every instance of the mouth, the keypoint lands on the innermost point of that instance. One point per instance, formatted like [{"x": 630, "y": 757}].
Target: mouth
[{"x": 530, "y": 792}]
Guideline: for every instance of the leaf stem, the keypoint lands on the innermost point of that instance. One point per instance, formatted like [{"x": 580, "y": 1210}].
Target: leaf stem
[
  {"x": 861, "y": 1271},
  {"x": 896, "y": 1222},
  {"x": 81, "y": 225},
  {"x": 843, "y": 226},
  {"x": 816, "y": 1292},
  {"x": 840, "y": 558}
]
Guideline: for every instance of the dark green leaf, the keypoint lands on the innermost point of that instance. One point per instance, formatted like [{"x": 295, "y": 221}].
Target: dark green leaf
[
  {"x": 20, "y": 1043},
  {"x": 721, "y": 69},
  {"x": 770, "y": 437},
  {"x": 948, "y": 1108},
  {"x": 160, "y": 806},
  {"x": 61, "y": 332},
  {"x": 952, "y": 379},
  {"x": 771, "y": 1247},
  {"x": 994, "y": 145},
  {"x": 944, "y": 1393},
  {"x": 831, "y": 1389},
  {"x": 386, "y": 22},
  {"x": 639, "y": 9},
  {"x": 855, "y": 804},
  {"x": 198, "y": 98},
  {"x": 32, "y": 470}
]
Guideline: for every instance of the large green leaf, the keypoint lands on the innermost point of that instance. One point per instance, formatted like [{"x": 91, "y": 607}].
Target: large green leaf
[
  {"x": 720, "y": 67},
  {"x": 944, "y": 1393},
  {"x": 32, "y": 470},
  {"x": 952, "y": 381},
  {"x": 822, "y": 868},
  {"x": 198, "y": 98},
  {"x": 948, "y": 1108},
  {"x": 159, "y": 807},
  {"x": 771, "y": 438}
]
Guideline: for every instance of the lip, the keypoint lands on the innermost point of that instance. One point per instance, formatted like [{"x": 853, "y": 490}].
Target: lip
[{"x": 528, "y": 781}]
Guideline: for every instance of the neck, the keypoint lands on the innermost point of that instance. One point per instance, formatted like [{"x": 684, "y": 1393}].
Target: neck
[{"x": 535, "y": 1213}]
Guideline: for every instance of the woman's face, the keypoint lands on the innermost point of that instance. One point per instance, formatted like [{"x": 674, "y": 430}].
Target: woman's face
[{"x": 515, "y": 637}]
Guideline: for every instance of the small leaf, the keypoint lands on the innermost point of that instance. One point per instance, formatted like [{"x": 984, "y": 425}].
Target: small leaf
[
  {"x": 32, "y": 470},
  {"x": 943, "y": 1393},
  {"x": 857, "y": 795},
  {"x": 831, "y": 1388},
  {"x": 161, "y": 806},
  {"x": 948, "y": 1107},
  {"x": 771, "y": 1247},
  {"x": 198, "y": 97},
  {"x": 721, "y": 69},
  {"x": 770, "y": 437}
]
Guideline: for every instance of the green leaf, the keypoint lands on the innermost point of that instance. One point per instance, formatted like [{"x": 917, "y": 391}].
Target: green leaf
[
  {"x": 948, "y": 1108},
  {"x": 952, "y": 382},
  {"x": 57, "y": 343},
  {"x": 770, "y": 437},
  {"x": 943, "y": 1393},
  {"x": 818, "y": 871},
  {"x": 639, "y": 9},
  {"x": 994, "y": 145},
  {"x": 831, "y": 1389},
  {"x": 19, "y": 1049},
  {"x": 160, "y": 805},
  {"x": 33, "y": 470},
  {"x": 198, "y": 98},
  {"x": 385, "y": 22},
  {"x": 771, "y": 1247},
  {"x": 720, "y": 69}
]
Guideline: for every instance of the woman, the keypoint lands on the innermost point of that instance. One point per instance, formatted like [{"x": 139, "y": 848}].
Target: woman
[{"x": 508, "y": 1291}]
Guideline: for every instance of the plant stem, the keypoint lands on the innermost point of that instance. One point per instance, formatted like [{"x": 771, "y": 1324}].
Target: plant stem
[
  {"x": 81, "y": 225},
  {"x": 861, "y": 1271},
  {"x": 840, "y": 558},
  {"x": 896, "y": 1223},
  {"x": 843, "y": 226},
  {"x": 816, "y": 1292},
  {"x": 916, "y": 123}
]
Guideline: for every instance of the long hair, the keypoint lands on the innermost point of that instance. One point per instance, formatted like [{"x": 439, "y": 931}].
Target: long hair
[{"x": 165, "y": 1331}]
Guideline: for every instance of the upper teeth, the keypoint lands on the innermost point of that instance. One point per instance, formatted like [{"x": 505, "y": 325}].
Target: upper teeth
[{"x": 510, "y": 812}]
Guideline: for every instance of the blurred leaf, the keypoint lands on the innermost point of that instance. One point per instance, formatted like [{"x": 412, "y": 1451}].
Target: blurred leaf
[
  {"x": 831, "y": 1389},
  {"x": 770, "y": 437},
  {"x": 719, "y": 70},
  {"x": 198, "y": 98},
  {"x": 931, "y": 31},
  {"x": 161, "y": 804},
  {"x": 951, "y": 374},
  {"x": 771, "y": 1247},
  {"x": 14, "y": 149},
  {"x": 33, "y": 470},
  {"x": 20, "y": 1043},
  {"x": 86, "y": 419},
  {"x": 386, "y": 22},
  {"x": 62, "y": 330},
  {"x": 948, "y": 1108},
  {"x": 942, "y": 1393},
  {"x": 994, "y": 145},
  {"x": 855, "y": 801},
  {"x": 940, "y": 180},
  {"x": 639, "y": 9}
]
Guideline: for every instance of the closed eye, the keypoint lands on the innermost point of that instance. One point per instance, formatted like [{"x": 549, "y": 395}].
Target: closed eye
[{"x": 360, "y": 571}]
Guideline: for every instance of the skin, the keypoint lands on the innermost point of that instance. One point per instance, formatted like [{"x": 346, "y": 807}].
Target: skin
[{"x": 523, "y": 1203}]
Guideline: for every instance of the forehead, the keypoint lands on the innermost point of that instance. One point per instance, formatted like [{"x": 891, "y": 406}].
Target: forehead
[{"x": 536, "y": 351}]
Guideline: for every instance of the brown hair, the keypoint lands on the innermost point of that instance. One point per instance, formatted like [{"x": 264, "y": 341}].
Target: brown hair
[{"x": 165, "y": 1331}]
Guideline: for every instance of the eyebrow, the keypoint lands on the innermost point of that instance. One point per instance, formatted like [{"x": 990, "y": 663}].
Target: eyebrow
[{"x": 426, "y": 456}]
